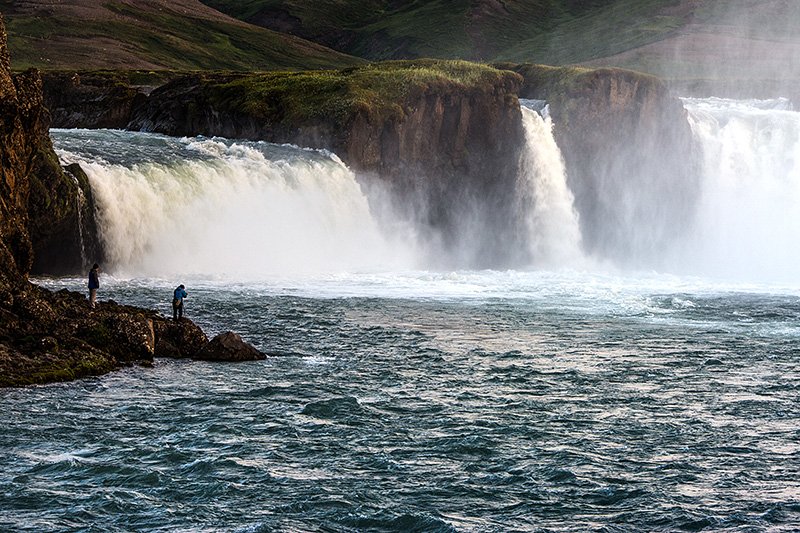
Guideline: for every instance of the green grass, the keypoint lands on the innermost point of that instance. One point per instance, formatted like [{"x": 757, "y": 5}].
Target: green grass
[
  {"x": 555, "y": 32},
  {"x": 377, "y": 89}
]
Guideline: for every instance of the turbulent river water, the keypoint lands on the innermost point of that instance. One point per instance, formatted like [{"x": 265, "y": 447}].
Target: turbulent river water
[
  {"x": 402, "y": 398},
  {"x": 462, "y": 402}
]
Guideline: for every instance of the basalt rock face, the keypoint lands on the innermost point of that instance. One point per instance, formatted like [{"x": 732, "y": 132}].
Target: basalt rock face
[
  {"x": 47, "y": 217},
  {"x": 454, "y": 158},
  {"x": 18, "y": 139},
  {"x": 78, "y": 100},
  {"x": 448, "y": 153},
  {"x": 629, "y": 153}
]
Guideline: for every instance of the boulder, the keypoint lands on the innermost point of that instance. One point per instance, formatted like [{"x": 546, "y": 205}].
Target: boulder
[
  {"x": 178, "y": 339},
  {"x": 228, "y": 346}
]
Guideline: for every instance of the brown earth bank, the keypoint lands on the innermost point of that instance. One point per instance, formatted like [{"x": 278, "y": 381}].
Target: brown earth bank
[{"x": 47, "y": 336}]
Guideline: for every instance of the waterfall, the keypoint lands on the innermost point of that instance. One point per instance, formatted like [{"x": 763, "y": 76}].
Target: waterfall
[
  {"x": 546, "y": 203},
  {"x": 80, "y": 205},
  {"x": 169, "y": 206},
  {"x": 216, "y": 207},
  {"x": 748, "y": 222}
]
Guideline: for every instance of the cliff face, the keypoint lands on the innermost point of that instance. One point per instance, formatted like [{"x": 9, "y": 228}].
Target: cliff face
[
  {"x": 47, "y": 215},
  {"x": 20, "y": 137},
  {"x": 630, "y": 157},
  {"x": 85, "y": 101}
]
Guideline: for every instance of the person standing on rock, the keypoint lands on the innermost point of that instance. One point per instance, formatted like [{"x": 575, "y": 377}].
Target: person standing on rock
[
  {"x": 177, "y": 302},
  {"x": 94, "y": 284}
]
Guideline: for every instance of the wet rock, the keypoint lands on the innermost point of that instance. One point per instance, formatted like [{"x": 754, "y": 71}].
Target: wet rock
[
  {"x": 228, "y": 346},
  {"x": 179, "y": 339}
]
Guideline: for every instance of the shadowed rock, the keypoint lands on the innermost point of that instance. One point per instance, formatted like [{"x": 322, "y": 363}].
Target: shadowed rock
[
  {"x": 178, "y": 339},
  {"x": 228, "y": 346}
]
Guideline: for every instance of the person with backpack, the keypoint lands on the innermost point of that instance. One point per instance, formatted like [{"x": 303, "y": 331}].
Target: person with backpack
[{"x": 177, "y": 302}]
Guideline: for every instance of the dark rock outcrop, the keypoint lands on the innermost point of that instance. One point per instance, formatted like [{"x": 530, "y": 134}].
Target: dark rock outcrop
[
  {"x": 84, "y": 100},
  {"x": 46, "y": 336},
  {"x": 179, "y": 339},
  {"x": 629, "y": 153},
  {"x": 230, "y": 347}
]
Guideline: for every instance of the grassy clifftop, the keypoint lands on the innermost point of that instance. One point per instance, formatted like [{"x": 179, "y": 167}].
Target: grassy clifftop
[
  {"x": 151, "y": 34},
  {"x": 376, "y": 89}
]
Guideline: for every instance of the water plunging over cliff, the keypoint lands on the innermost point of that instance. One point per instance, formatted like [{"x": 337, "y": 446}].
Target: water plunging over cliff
[
  {"x": 748, "y": 223},
  {"x": 545, "y": 200},
  {"x": 215, "y": 206},
  {"x": 211, "y": 206}
]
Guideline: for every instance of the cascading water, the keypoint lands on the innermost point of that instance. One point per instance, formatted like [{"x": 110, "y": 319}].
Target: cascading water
[
  {"x": 80, "y": 205},
  {"x": 215, "y": 207},
  {"x": 545, "y": 200},
  {"x": 748, "y": 224}
]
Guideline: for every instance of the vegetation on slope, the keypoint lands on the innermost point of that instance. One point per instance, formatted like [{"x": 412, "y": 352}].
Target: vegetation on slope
[
  {"x": 130, "y": 34},
  {"x": 674, "y": 39},
  {"x": 551, "y": 31},
  {"x": 376, "y": 89}
]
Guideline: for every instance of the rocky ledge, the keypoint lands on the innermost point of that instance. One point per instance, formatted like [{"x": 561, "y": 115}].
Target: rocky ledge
[{"x": 55, "y": 336}]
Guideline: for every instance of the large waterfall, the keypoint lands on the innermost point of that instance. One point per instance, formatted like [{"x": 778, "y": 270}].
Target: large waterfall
[
  {"x": 216, "y": 207},
  {"x": 748, "y": 221},
  {"x": 211, "y": 206}
]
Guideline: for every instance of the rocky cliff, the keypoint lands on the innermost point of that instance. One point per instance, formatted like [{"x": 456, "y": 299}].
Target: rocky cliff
[
  {"x": 443, "y": 138},
  {"x": 91, "y": 100},
  {"x": 47, "y": 216},
  {"x": 629, "y": 154}
]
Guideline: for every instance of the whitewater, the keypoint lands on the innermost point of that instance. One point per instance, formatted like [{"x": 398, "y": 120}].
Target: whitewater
[{"x": 579, "y": 393}]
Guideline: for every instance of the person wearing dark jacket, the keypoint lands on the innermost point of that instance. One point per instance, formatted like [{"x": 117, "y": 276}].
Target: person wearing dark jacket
[
  {"x": 94, "y": 284},
  {"x": 177, "y": 302}
]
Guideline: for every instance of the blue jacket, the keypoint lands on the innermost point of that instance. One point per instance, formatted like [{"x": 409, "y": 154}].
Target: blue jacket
[
  {"x": 94, "y": 281},
  {"x": 179, "y": 294}
]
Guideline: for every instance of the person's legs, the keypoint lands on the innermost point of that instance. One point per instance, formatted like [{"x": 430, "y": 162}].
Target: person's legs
[
  {"x": 174, "y": 310},
  {"x": 180, "y": 310},
  {"x": 93, "y": 297}
]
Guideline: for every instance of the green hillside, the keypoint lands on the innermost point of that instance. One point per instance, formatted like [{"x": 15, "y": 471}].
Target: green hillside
[
  {"x": 145, "y": 34},
  {"x": 467, "y": 29},
  {"x": 675, "y": 39}
]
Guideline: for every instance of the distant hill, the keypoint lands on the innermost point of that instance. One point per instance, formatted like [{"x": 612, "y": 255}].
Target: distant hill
[
  {"x": 151, "y": 34},
  {"x": 681, "y": 40}
]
